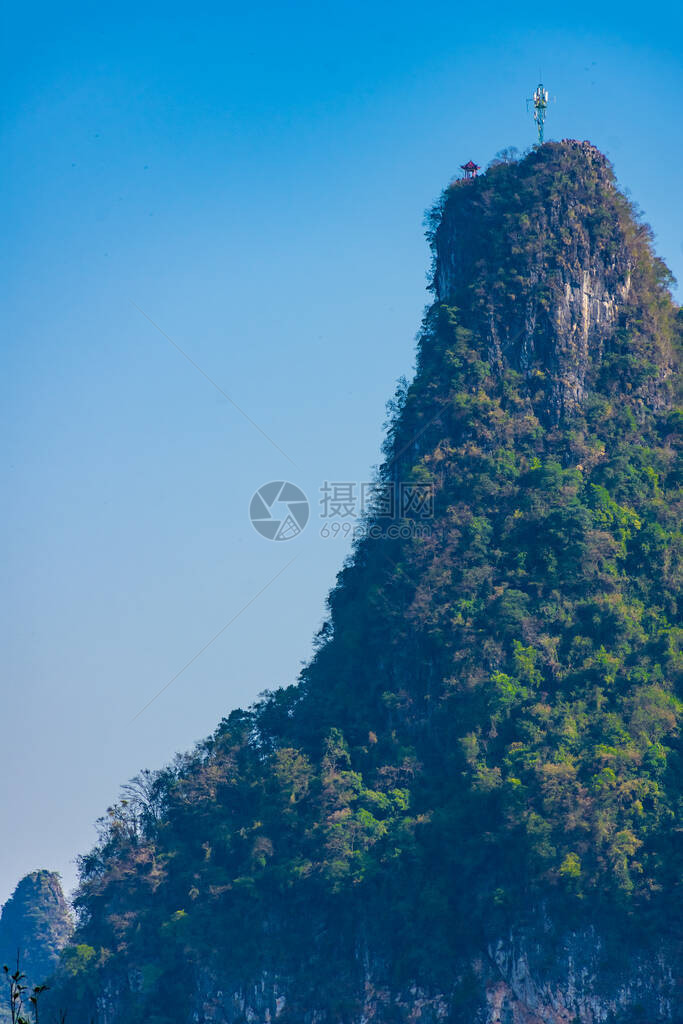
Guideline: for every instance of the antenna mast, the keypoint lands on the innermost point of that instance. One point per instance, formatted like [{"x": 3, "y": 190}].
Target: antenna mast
[{"x": 540, "y": 102}]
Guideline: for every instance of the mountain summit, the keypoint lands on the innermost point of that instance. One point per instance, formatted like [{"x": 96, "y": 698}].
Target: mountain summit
[
  {"x": 465, "y": 811},
  {"x": 35, "y": 925}
]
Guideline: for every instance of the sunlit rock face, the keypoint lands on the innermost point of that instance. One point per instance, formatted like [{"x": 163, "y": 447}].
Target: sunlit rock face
[{"x": 543, "y": 279}]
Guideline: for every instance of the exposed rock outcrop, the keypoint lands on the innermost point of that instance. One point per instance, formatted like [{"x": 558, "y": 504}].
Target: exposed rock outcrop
[
  {"x": 573, "y": 270},
  {"x": 531, "y": 976}
]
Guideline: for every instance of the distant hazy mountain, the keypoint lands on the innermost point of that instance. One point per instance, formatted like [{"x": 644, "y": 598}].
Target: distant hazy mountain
[{"x": 36, "y": 924}]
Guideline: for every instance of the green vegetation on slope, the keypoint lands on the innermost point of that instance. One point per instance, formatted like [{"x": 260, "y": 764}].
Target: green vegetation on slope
[{"x": 490, "y": 722}]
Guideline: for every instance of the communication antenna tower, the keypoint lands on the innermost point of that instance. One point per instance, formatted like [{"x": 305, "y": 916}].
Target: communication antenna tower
[{"x": 540, "y": 101}]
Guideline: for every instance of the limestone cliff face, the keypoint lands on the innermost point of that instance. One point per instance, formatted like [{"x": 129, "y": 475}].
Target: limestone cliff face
[
  {"x": 534, "y": 974},
  {"x": 575, "y": 273},
  {"x": 36, "y": 923},
  {"x": 526, "y": 977},
  {"x": 547, "y": 979}
]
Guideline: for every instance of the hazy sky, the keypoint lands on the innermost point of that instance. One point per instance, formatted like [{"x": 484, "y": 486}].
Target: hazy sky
[{"x": 253, "y": 177}]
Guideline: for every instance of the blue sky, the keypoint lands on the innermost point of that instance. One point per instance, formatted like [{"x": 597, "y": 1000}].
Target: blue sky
[{"x": 254, "y": 181}]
